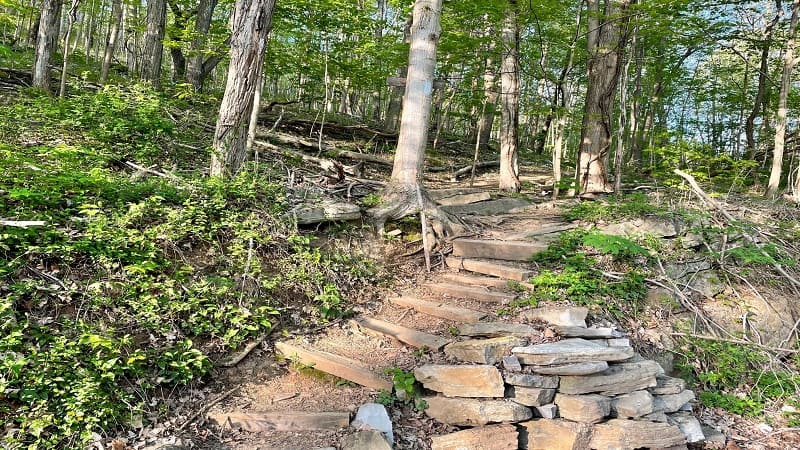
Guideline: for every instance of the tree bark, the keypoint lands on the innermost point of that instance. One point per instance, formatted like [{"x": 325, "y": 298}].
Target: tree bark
[
  {"x": 789, "y": 61},
  {"x": 395, "y": 107},
  {"x": 47, "y": 34},
  {"x": 606, "y": 41},
  {"x": 154, "y": 41},
  {"x": 250, "y": 24},
  {"x": 111, "y": 39},
  {"x": 194, "y": 70},
  {"x": 509, "y": 99}
]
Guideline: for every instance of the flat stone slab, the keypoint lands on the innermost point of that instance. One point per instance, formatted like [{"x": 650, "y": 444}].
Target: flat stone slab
[
  {"x": 496, "y": 249},
  {"x": 496, "y": 329},
  {"x": 490, "y": 208},
  {"x": 342, "y": 367},
  {"x": 474, "y": 280},
  {"x": 470, "y": 412},
  {"x": 570, "y": 351},
  {"x": 405, "y": 335},
  {"x": 581, "y": 368},
  {"x": 554, "y": 229},
  {"x": 617, "y": 379},
  {"x": 365, "y": 440},
  {"x": 470, "y": 292},
  {"x": 562, "y": 316},
  {"x": 441, "y": 310},
  {"x": 489, "y": 268},
  {"x": 373, "y": 416},
  {"x": 483, "y": 351},
  {"x": 621, "y": 433},
  {"x": 532, "y": 380},
  {"x": 464, "y": 199},
  {"x": 690, "y": 427},
  {"x": 633, "y": 405},
  {"x": 590, "y": 408},
  {"x": 512, "y": 364},
  {"x": 546, "y": 411},
  {"x": 588, "y": 333},
  {"x": 530, "y": 396},
  {"x": 282, "y": 421},
  {"x": 461, "y": 381},
  {"x": 670, "y": 403},
  {"x": 667, "y": 385},
  {"x": 491, "y": 437},
  {"x": 548, "y": 434}
]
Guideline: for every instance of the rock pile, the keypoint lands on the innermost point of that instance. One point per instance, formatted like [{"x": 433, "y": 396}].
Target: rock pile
[{"x": 587, "y": 391}]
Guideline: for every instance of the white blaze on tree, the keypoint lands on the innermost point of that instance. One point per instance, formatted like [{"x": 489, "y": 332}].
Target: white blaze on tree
[
  {"x": 605, "y": 42},
  {"x": 250, "y": 24},
  {"x": 509, "y": 99}
]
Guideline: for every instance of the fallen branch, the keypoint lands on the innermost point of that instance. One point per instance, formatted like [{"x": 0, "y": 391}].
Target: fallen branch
[
  {"x": 205, "y": 408},
  {"x": 737, "y": 341},
  {"x": 236, "y": 359},
  {"x": 730, "y": 220},
  {"x": 335, "y": 168},
  {"x": 468, "y": 169},
  {"x": 365, "y": 157},
  {"x": 22, "y": 223}
]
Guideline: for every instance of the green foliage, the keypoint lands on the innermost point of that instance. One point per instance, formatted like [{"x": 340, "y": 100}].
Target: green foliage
[
  {"x": 706, "y": 164},
  {"x": 133, "y": 285},
  {"x": 614, "y": 209},
  {"x": 753, "y": 255},
  {"x": 406, "y": 389},
  {"x": 617, "y": 246},
  {"x": 735, "y": 377}
]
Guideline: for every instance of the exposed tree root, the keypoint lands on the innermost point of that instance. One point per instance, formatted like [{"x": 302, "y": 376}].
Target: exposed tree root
[{"x": 405, "y": 199}]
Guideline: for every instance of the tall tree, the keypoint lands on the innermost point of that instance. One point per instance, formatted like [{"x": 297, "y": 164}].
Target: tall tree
[
  {"x": 72, "y": 16},
  {"x": 250, "y": 24},
  {"x": 154, "y": 41},
  {"x": 509, "y": 99},
  {"x": 111, "y": 38},
  {"x": 789, "y": 61},
  {"x": 49, "y": 20},
  {"x": 763, "y": 72},
  {"x": 607, "y": 33}
]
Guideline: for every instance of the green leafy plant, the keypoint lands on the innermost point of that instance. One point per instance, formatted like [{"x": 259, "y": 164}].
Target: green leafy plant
[{"x": 406, "y": 389}]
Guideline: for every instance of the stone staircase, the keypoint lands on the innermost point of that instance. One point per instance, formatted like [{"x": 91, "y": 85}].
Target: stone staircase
[{"x": 543, "y": 381}]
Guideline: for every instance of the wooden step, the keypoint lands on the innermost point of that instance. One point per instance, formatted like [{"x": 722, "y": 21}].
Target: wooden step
[
  {"x": 464, "y": 199},
  {"x": 554, "y": 230},
  {"x": 494, "y": 249},
  {"x": 470, "y": 292},
  {"x": 340, "y": 366},
  {"x": 474, "y": 280},
  {"x": 405, "y": 335},
  {"x": 489, "y": 268},
  {"x": 283, "y": 421},
  {"x": 441, "y": 310}
]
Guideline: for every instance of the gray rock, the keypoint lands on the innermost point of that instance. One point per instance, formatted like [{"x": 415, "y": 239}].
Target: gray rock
[
  {"x": 582, "y": 368},
  {"x": 621, "y": 433},
  {"x": 583, "y": 408},
  {"x": 617, "y": 379},
  {"x": 570, "y": 316},
  {"x": 512, "y": 364},
  {"x": 365, "y": 440},
  {"x": 461, "y": 381},
  {"x": 570, "y": 351},
  {"x": 635, "y": 404},
  {"x": 496, "y": 329},
  {"x": 658, "y": 416},
  {"x": 530, "y": 396},
  {"x": 532, "y": 380},
  {"x": 546, "y": 411},
  {"x": 470, "y": 412},
  {"x": 373, "y": 416},
  {"x": 672, "y": 402},
  {"x": 588, "y": 333},
  {"x": 667, "y": 385},
  {"x": 483, "y": 351},
  {"x": 690, "y": 427}
]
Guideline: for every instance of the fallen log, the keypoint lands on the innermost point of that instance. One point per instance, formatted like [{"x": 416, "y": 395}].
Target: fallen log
[
  {"x": 333, "y": 169},
  {"x": 366, "y": 157},
  {"x": 481, "y": 165}
]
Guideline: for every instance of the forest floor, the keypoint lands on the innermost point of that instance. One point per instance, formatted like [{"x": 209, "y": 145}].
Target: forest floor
[{"x": 92, "y": 298}]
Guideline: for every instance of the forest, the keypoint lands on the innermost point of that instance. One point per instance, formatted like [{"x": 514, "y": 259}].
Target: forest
[{"x": 198, "y": 198}]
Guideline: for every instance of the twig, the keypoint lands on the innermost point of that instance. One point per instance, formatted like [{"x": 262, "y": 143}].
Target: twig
[
  {"x": 205, "y": 409},
  {"x": 422, "y": 218},
  {"x": 245, "y": 351},
  {"x": 737, "y": 341}
]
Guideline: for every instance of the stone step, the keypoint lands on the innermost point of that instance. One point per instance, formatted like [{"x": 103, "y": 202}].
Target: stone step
[
  {"x": 492, "y": 437},
  {"x": 405, "y": 335},
  {"x": 441, "y": 310},
  {"x": 490, "y": 208},
  {"x": 469, "y": 292},
  {"x": 464, "y": 199},
  {"x": 553, "y": 230},
  {"x": 489, "y": 268},
  {"x": 283, "y": 421},
  {"x": 474, "y": 280},
  {"x": 496, "y": 249},
  {"x": 340, "y": 366}
]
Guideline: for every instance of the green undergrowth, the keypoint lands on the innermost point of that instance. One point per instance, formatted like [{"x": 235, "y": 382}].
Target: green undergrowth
[
  {"x": 576, "y": 273},
  {"x": 135, "y": 285},
  {"x": 740, "y": 379},
  {"x": 629, "y": 206}
]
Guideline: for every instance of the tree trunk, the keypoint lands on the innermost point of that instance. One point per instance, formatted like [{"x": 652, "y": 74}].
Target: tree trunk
[
  {"x": 763, "y": 72},
  {"x": 619, "y": 154},
  {"x": 89, "y": 30},
  {"x": 72, "y": 16},
  {"x": 252, "y": 127},
  {"x": 47, "y": 35},
  {"x": 154, "y": 41},
  {"x": 250, "y": 24},
  {"x": 111, "y": 39},
  {"x": 395, "y": 108},
  {"x": 194, "y": 70},
  {"x": 509, "y": 99},
  {"x": 789, "y": 62},
  {"x": 605, "y": 44},
  {"x": 130, "y": 17}
]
